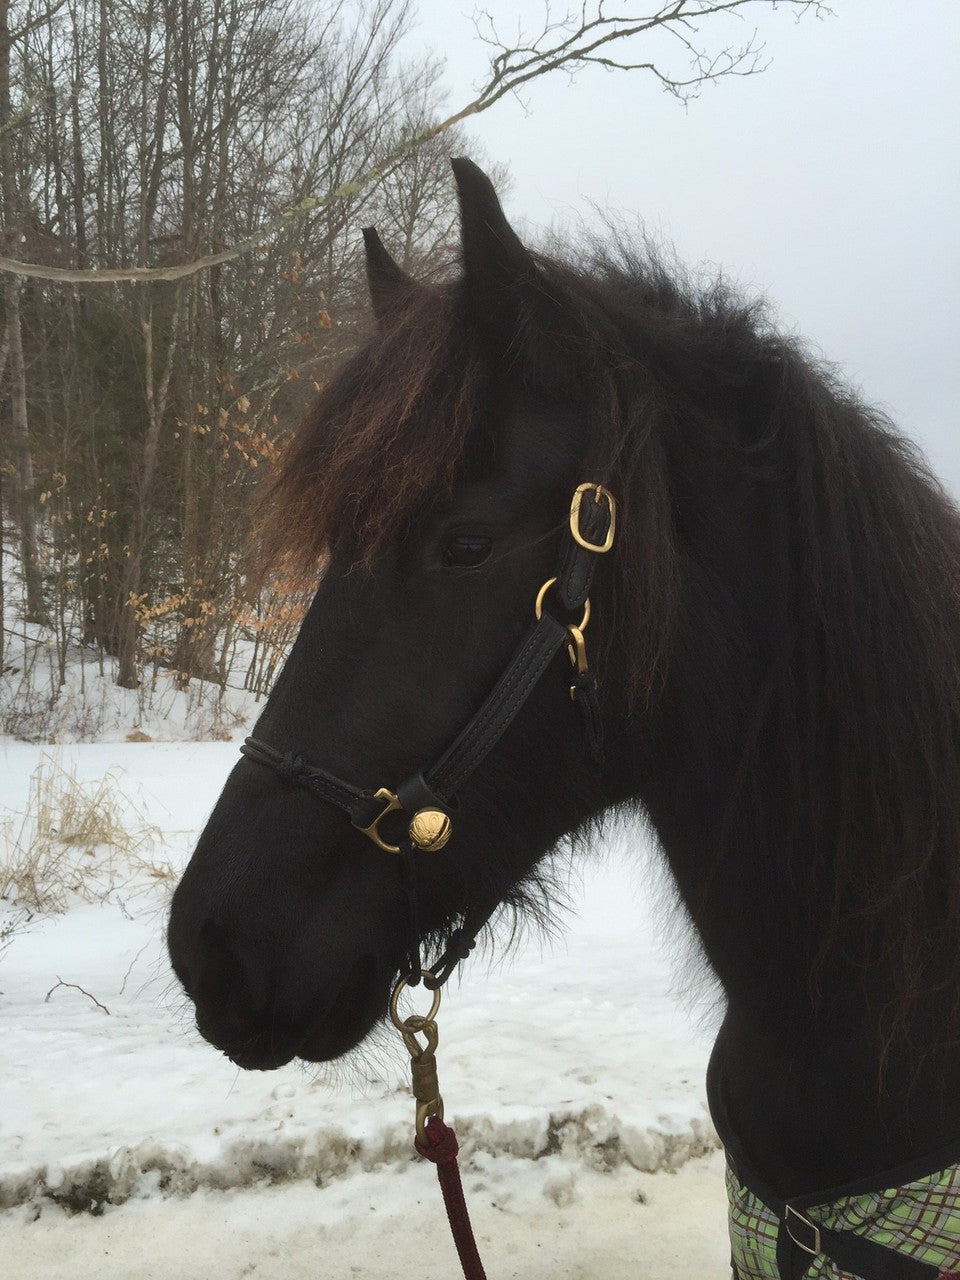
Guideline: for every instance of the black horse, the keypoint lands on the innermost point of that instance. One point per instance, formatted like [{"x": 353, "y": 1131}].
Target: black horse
[{"x": 776, "y": 635}]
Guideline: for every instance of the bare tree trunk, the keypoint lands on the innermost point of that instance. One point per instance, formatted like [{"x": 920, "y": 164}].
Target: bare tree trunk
[
  {"x": 22, "y": 472},
  {"x": 155, "y": 384},
  {"x": 156, "y": 390},
  {"x": 4, "y": 353},
  {"x": 79, "y": 185}
]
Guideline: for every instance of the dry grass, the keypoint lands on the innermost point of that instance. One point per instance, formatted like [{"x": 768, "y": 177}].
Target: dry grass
[
  {"x": 76, "y": 838},
  {"x": 12, "y": 920}
]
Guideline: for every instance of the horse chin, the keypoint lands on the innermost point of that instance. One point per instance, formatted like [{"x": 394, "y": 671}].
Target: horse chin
[
  {"x": 358, "y": 1005},
  {"x": 341, "y": 1026},
  {"x": 328, "y": 1044},
  {"x": 258, "y": 1058}
]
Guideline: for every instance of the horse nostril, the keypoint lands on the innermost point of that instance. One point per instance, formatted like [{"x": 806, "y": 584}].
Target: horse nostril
[
  {"x": 239, "y": 999},
  {"x": 232, "y": 979}
]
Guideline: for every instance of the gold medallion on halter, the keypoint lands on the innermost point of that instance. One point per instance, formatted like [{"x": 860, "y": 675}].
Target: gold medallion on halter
[{"x": 429, "y": 829}]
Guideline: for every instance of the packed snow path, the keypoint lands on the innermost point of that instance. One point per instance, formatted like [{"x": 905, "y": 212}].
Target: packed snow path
[{"x": 534, "y": 1221}]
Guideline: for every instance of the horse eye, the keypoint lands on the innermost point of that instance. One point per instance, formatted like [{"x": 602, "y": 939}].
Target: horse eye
[{"x": 466, "y": 550}]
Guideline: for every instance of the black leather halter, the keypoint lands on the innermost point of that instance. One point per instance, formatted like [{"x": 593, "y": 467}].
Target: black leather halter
[{"x": 429, "y": 796}]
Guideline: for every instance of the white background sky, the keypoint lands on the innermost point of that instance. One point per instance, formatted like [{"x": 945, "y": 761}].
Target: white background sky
[{"x": 830, "y": 183}]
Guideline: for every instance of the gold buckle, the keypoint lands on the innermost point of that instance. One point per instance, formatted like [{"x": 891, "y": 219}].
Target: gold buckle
[
  {"x": 391, "y": 806},
  {"x": 599, "y": 493}
]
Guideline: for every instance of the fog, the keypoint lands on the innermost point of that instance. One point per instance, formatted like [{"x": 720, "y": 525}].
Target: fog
[{"x": 829, "y": 183}]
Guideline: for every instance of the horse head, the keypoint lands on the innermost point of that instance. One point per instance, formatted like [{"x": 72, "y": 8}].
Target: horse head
[{"x": 437, "y": 478}]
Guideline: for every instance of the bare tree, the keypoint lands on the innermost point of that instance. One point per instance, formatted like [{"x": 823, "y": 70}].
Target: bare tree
[
  {"x": 219, "y": 154},
  {"x": 182, "y": 127},
  {"x": 21, "y": 471},
  {"x": 589, "y": 37}
]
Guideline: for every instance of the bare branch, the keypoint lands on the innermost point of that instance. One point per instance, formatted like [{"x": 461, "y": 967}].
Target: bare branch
[
  {"x": 579, "y": 39},
  {"x": 60, "y": 983},
  {"x": 179, "y": 271}
]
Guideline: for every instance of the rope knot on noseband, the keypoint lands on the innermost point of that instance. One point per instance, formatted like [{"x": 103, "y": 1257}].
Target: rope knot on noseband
[
  {"x": 289, "y": 769},
  {"x": 459, "y": 946}
]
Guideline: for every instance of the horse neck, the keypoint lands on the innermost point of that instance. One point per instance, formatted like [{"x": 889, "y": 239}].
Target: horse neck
[{"x": 721, "y": 787}]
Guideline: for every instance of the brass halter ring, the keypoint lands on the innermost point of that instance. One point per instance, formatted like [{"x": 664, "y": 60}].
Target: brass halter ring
[
  {"x": 541, "y": 595},
  {"x": 398, "y": 990}
]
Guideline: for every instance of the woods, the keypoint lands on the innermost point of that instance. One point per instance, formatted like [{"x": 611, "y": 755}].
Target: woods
[
  {"x": 138, "y": 420},
  {"x": 224, "y": 154}
]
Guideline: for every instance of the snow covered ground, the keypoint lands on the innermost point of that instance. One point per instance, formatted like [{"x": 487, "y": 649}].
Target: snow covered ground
[
  {"x": 571, "y": 1069},
  {"x": 530, "y": 1223}
]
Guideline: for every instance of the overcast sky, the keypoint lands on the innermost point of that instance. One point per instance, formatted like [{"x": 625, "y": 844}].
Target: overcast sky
[{"x": 830, "y": 183}]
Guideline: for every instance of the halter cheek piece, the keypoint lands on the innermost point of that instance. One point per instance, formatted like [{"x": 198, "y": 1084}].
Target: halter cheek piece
[{"x": 429, "y": 796}]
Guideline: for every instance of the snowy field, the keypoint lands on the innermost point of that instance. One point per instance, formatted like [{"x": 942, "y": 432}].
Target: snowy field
[{"x": 571, "y": 1069}]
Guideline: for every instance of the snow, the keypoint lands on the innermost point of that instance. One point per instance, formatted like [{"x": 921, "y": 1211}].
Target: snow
[
  {"x": 380, "y": 1225},
  {"x": 570, "y": 1067},
  {"x": 84, "y": 703}
]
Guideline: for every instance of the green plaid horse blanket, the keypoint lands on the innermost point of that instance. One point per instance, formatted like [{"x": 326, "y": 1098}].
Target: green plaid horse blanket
[
  {"x": 900, "y": 1225},
  {"x": 917, "y": 1222}
]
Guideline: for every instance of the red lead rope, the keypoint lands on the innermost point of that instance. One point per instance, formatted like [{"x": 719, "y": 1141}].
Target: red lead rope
[
  {"x": 436, "y": 1141},
  {"x": 441, "y": 1147}
]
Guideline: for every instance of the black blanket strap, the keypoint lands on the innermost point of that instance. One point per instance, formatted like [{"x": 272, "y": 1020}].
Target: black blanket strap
[{"x": 801, "y": 1239}]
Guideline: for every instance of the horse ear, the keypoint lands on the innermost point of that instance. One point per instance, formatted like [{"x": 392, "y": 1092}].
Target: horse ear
[
  {"x": 494, "y": 259},
  {"x": 516, "y": 304},
  {"x": 391, "y": 289}
]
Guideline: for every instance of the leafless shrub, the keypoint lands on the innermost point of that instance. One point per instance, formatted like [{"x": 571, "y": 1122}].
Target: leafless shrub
[
  {"x": 76, "y": 838},
  {"x": 13, "y": 920}
]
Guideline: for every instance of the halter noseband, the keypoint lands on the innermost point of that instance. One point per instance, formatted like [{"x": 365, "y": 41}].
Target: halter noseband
[{"x": 429, "y": 796}]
